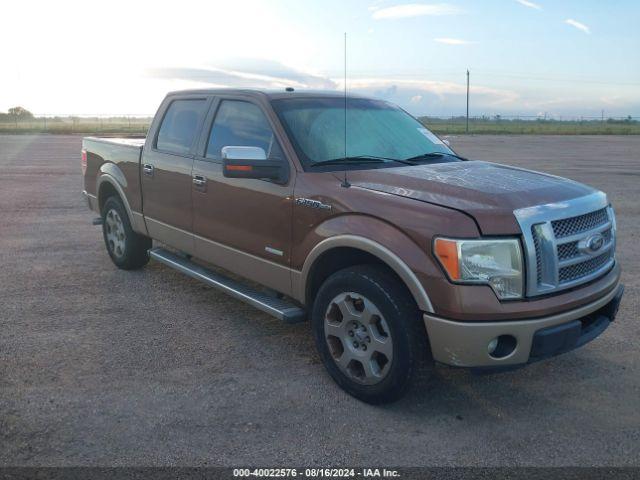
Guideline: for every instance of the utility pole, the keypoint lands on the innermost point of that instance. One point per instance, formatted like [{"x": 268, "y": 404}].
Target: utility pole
[{"x": 467, "y": 101}]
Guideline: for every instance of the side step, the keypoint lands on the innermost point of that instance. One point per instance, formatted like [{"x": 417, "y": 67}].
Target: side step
[{"x": 277, "y": 307}]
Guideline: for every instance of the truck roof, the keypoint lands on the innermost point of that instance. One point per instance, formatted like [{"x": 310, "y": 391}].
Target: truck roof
[{"x": 270, "y": 93}]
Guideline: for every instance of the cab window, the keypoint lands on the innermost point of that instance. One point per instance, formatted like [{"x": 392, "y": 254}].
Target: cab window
[
  {"x": 180, "y": 126},
  {"x": 238, "y": 123}
]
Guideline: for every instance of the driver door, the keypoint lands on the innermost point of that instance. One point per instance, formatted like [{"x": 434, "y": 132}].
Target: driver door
[{"x": 242, "y": 225}]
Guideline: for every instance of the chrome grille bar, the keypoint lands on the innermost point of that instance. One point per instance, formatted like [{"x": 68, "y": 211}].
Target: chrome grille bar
[
  {"x": 578, "y": 224},
  {"x": 579, "y": 236},
  {"x": 554, "y": 236}
]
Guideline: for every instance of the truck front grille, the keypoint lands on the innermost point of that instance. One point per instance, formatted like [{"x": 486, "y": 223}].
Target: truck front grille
[
  {"x": 557, "y": 249},
  {"x": 536, "y": 243},
  {"x": 581, "y": 223},
  {"x": 568, "y": 250},
  {"x": 579, "y": 270}
]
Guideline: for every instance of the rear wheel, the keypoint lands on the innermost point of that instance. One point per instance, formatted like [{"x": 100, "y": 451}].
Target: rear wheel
[
  {"x": 368, "y": 331},
  {"x": 127, "y": 249}
]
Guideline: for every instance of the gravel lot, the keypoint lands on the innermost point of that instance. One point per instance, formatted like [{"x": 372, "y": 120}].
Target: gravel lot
[{"x": 105, "y": 367}]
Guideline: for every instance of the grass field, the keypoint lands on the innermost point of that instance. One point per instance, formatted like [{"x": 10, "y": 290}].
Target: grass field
[
  {"x": 81, "y": 125},
  {"x": 533, "y": 127},
  {"x": 455, "y": 125}
]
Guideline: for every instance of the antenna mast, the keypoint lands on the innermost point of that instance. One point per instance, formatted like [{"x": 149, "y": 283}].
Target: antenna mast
[{"x": 345, "y": 183}]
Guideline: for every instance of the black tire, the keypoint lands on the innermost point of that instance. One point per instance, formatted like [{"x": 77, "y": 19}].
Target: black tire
[
  {"x": 410, "y": 350},
  {"x": 131, "y": 251}
]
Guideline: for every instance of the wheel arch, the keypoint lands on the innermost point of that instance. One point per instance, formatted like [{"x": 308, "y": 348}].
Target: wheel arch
[
  {"x": 342, "y": 251},
  {"x": 107, "y": 186}
]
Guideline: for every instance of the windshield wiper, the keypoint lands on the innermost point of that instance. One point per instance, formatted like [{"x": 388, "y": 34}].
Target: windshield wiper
[
  {"x": 430, "y": 156},
  {"x": 358, "y": 160}
]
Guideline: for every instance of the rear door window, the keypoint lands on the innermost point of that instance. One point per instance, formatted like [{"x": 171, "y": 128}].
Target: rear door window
[
  {"x": 180, "y": 126},
  {"x": 240, "y": 123}
]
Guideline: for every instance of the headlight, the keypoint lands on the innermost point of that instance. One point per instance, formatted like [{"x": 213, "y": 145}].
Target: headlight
[{"x": 497, "y": 263}]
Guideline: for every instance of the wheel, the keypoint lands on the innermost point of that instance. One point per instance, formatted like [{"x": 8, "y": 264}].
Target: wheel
[
  {"x": 369, "y": 333},
  {"x": 127, "y": 249}
]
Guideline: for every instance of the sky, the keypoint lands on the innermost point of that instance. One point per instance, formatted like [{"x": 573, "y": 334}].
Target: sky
[{"x": 525, "y": 57}]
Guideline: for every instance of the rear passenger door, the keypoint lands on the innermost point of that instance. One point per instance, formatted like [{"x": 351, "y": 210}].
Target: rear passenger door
[
  {"x": 166, "y": 170},
  {"x": 242, "y": 225}
]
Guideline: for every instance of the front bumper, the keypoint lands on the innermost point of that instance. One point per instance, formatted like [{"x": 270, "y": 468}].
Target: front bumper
[{"x": 465, "y": 344}]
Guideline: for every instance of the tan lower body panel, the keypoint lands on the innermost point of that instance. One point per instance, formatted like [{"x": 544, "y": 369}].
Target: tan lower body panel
[
  {"x": 137, "y": 223},
  {"x": 174, "y": 237},
  {"x": 465, "y": 344},
  {"x": 259, "y": 270}
]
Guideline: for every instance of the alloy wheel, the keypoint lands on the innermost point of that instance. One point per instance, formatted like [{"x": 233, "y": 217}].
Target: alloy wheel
[
  {"x": 115, "y": 233},
  {"x": 358, "y": 338}
]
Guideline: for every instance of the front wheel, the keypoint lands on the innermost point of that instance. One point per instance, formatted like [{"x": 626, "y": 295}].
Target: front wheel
[
  {"x": 128, "y": 250},
  {"x": 368, "y": 331}
]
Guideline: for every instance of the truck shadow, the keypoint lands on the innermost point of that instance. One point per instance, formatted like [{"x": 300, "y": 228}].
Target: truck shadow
[
  {"x": 577, "y": 382},
  {"x": 280, "y": 355}
]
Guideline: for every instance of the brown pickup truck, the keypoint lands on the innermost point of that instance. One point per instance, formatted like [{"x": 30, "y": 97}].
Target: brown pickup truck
[{"x": 347, "y": 211}]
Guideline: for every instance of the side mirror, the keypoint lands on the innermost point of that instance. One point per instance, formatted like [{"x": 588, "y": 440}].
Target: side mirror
[{"x": 251, "y": 162}]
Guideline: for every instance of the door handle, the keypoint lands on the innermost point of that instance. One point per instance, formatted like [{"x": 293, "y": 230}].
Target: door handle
[
  {"x": 147, "y": 168},
  {"x": 199, "y": 181}
]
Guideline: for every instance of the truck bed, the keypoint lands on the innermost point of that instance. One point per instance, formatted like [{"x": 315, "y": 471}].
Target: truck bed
[
  {"x": 125, "y": 142},
  {"x": 120, "y": 159}
]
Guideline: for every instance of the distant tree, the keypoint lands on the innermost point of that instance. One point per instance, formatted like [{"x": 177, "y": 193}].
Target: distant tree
[{"x": 21, "y": 113}]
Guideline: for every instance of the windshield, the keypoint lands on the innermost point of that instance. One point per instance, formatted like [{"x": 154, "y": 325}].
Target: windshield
[{"x": 374, "y": 129}]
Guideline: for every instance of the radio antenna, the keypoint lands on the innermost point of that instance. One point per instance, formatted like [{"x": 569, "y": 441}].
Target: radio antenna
[{"x": 345, "y": 183}]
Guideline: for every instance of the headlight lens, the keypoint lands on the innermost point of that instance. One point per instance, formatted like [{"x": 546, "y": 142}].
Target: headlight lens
[{"x": 497, "y": 263}]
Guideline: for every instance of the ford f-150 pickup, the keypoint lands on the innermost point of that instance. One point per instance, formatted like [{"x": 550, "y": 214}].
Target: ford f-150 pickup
[{"x": 348, "y": 212}]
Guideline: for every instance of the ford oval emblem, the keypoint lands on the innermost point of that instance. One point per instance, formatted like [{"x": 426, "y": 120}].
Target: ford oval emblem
[{"x": 592, "y": 244}]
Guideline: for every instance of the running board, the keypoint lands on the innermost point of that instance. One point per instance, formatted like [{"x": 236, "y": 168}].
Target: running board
[{"x": 277, "y": 307}]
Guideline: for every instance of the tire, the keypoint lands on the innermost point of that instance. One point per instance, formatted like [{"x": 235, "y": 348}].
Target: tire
[
  {"x": 128, "y": 250},
  {"x": 366, "y": 313}
]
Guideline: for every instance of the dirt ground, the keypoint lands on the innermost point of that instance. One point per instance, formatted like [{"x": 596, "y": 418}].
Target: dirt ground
[{"x": 100, "y": 366}]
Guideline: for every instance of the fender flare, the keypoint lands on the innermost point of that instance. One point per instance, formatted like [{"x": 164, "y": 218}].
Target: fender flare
[
  {"x": 108, "y": 178},
  {"x": 376, "y": 249}
]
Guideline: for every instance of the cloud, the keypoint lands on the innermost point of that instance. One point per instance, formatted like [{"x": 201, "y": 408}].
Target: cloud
[
  {"x": 431, "y": 96},
  {"x": 414, "y": 10},
  {"x": 418, "y": 96},
  {"x": 452, "y": 41},
  {"x": 245, "y": 73},
  {"x": 529, "y": 4},
  {"x": 578, "y": 25}
]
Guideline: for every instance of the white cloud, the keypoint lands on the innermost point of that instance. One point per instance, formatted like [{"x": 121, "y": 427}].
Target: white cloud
[
  {"x": 529, "y": 4},
  {"x": 415, "y": 10},
  {"x": 416, "y": 99},
  {"x": 445, "y": 91},
  {"x": 245, "y": 73},
  {"x": 453, "y": 41},
  {"x": 578, "y": 25}
]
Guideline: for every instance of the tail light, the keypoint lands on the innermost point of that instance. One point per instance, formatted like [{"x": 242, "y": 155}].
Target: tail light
[{"x": 83, "y": 161}]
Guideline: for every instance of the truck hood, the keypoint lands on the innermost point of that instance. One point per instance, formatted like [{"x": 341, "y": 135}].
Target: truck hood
[{"x": 487, "y": 191}]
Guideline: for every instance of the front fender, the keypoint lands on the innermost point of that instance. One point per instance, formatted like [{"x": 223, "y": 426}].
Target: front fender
[{"x": 391, "y": 246}]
